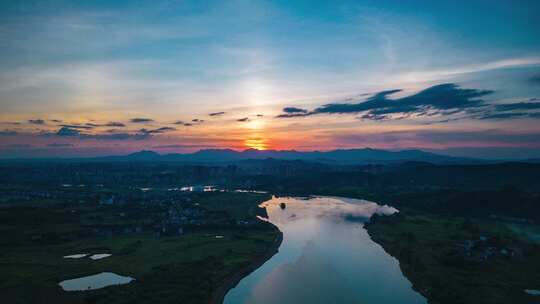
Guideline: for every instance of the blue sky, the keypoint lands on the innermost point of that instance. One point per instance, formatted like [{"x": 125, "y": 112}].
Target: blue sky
[{"x": 90, "y": 63}]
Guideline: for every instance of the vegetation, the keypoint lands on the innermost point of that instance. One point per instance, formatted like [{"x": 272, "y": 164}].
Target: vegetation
[
  {"x": 453, "y": 260},
  {"x": 185, "y": 268},
  {"x": 464, "y": 234}
]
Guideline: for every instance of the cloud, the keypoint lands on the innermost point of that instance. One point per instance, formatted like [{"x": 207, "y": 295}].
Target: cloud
[
  {"x": 85, "y": 127},
  {"x": 115, "y": 124},
  {"x": 68, "y": 132},
  {"x": 260, "y": 115},
  {"x": 292, "y": 115},
  {"x": 439, "y": 100},
  {"x": 503, "y": 115},
  {"x": 157, "y": 131},
  {"x": 518, "y": 106},
  {"x": 245, "y": 119},
  {"x": 216, "y": 114},
  {"x": 439, "y": 75},
  {"x": 109, "y": 124},
  {"x": 188, "y": 124},
  {"x": 509, "y": 115},
  {"x": 509, "y": 111},
  {"x": 439, "y": 97},
  {"x": 370, "y": 116},
  {"x": 165, "y": 129},
  {"x": 290, "y": 110},
  {"x": 443, "y": 99},
  {"x": 60, "y": 145},
  {"x": 141, "y": 120},
  {"x": 36, "y": 121}
]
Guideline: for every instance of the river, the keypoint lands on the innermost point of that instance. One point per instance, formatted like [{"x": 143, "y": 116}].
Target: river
[{"x": 326, "y": 257}]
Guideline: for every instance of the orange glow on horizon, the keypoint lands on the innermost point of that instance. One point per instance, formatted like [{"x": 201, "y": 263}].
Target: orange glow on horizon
[{"x": 256, "y": 143}]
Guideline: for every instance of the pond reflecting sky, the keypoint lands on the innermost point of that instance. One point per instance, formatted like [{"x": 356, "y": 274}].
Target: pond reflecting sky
[{"x": 326, "y": 257}]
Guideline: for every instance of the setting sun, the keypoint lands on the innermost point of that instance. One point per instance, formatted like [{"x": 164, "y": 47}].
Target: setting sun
[{"x": 256, "y": 143}]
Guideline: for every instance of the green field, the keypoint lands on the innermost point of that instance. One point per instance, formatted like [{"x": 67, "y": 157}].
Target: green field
[
  {"x": 426, "y": 246},
  {"x": 186, "y": 268}
]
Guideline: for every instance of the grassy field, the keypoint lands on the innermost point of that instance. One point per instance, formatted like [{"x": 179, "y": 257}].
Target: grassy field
[
  {"x": 427, "y": 247},
  {"x": 174, "y": 269},
  {"x": 237, "y": 205}
]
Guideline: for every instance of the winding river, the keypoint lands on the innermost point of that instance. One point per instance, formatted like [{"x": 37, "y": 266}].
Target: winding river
[{"x": 326, "y": 257}]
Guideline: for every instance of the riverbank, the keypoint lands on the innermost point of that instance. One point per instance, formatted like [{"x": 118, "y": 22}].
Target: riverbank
[
  {"x": 188, "y": 264},
  {"x": 451, "y": 259},
  {"x": 229, "y": 283}
]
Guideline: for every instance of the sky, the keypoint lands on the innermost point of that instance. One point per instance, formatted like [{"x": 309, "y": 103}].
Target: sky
[{"x": 90, "y": 78}]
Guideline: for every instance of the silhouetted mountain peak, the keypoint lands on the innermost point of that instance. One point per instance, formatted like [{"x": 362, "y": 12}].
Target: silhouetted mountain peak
[
  {"x": 144, "y": 154},
  {"x": 339, "y": 156}
]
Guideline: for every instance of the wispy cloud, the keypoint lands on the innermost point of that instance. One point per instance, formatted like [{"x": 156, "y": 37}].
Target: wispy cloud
[
  {"x": 435, "y": 75},
  {"x": 157, "y": 131},
  {"x": 444, "y": 99},
  {"x": 109, "y": 124},
  {"x": 82, "y": 127},
  {"x": 67, "y": 131},
  {"x": 216, "y": 114},
  {"x": 518, "y": 106},
  {"x": 115, "y": 124},
  {"x": 433, "y": 102},
  {"x": 113, "y": 136},
  {"x": 141, "y": 120},
  {"x": 37, "y": 121},
  {"x": 290, "y": 110}
]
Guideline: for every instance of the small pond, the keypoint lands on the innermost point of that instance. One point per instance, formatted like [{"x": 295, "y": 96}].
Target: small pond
[{"x": 95, "y": 281}]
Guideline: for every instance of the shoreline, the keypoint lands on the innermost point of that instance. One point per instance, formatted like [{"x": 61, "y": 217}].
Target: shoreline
[
  {"x": 218, "y": 296},
  {"x": 423, "y": 243},
  {"x": 385, "y": 246}
]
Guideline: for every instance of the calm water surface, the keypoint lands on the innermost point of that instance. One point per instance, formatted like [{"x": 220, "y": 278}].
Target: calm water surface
[
  {"x": 326, "y": 257},
  {"x": 95, "y": 281}
]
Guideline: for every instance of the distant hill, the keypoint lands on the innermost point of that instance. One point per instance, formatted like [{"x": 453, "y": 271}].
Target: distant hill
[{"x": 342, "y": 156}]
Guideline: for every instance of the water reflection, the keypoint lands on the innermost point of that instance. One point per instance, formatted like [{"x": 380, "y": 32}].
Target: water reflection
[
  {"x": 95, "y": 281},
  {"x": 532, "y": 292},
  {"x": 99, "y": 256},
  {"x": 75, "y": 256},
  {"x": 326, "y": 257}
]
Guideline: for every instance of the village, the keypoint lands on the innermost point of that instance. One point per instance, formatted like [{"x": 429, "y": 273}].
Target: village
[{"x": 98, "y": 211}]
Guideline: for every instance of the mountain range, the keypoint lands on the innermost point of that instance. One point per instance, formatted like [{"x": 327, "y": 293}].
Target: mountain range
[{"x": 340, "y": 156}]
